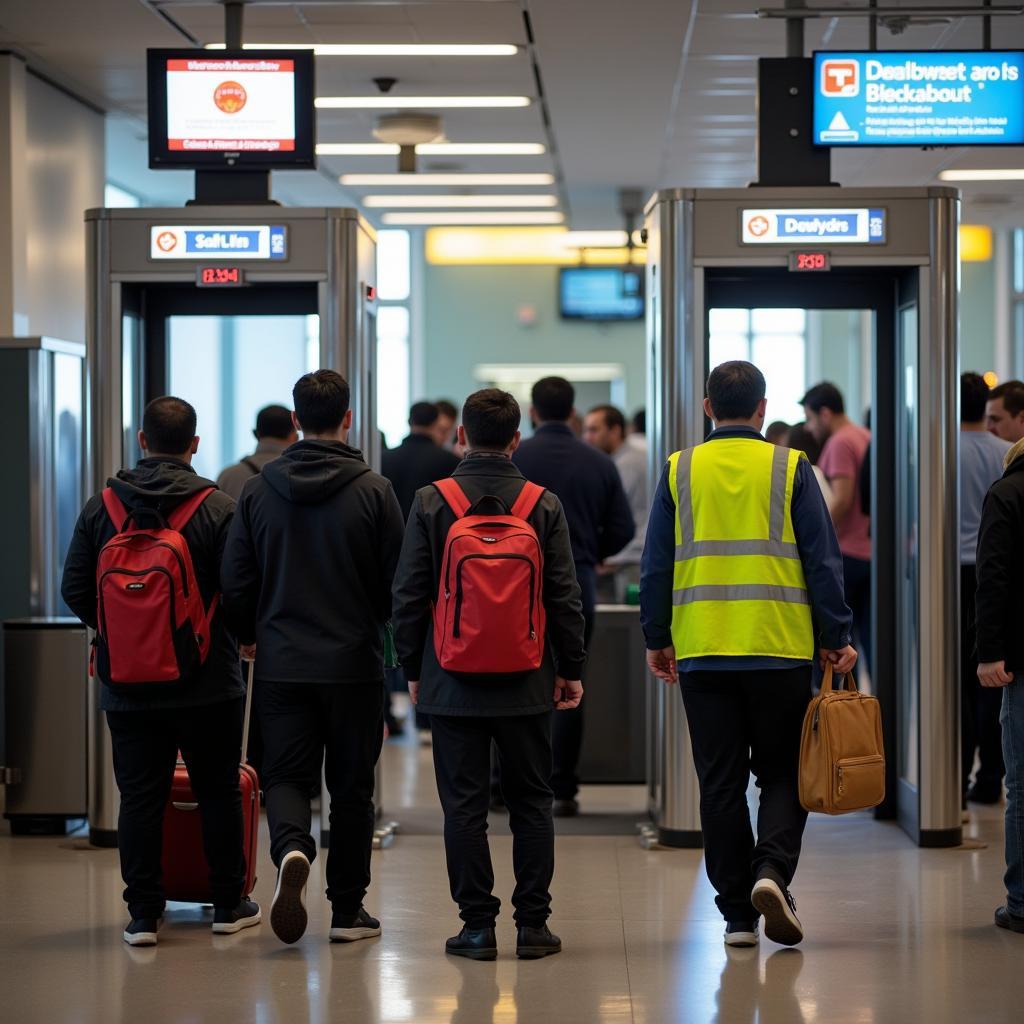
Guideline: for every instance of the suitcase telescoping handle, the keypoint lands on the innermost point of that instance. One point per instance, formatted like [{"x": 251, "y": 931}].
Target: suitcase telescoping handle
[{"x": 251, "y": 665}]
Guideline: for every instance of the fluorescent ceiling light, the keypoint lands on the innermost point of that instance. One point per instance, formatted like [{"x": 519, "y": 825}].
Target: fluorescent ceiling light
[
  {"x": 594, "y": 239},
  {"x": 388, "y": 49},
  {"x": 433, "y": 149},
  {"x": 417, "y": 102},
  {"x": 1005, "y": 174},
  {"x": 444, "y": 180},
  {"x": 455, "y": 202},
  {"x": 508, "y": 217}
]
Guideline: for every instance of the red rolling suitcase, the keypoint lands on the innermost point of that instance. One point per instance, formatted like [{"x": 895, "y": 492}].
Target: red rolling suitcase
[{"x": 186, "y": 875}]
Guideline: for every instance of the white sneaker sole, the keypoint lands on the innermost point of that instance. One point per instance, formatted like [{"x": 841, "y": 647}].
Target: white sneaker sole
[
  {"x": 288, "y": 915},
  {"x": 140, "y": 939},
  {"x": 230, "y": 928},
  {"x": 353, "y": 934},
  {"x": 781, "y": 925},
  {"x": 741, "y": 940}
]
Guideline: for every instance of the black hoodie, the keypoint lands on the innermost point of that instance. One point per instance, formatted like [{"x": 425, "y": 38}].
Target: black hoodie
[
  {"x": 160, "y": 483},
  {"x": 309, "y": 563}
]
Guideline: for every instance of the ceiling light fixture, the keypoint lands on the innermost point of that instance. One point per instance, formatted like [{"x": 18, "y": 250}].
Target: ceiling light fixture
[
  {"x": 455, "y": 202},
  {"x": 459, "y": 217},
  {"x": 388, "y": 49},
  {"x": 417, "y": 102},
  {"x": 433, "y": 149},
  {"x": 444, "y": 180},
  {"x": 1004, "y": 174}
]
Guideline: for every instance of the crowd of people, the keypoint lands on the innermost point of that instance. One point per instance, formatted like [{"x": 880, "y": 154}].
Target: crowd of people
[{"x": 307, "y": 562}]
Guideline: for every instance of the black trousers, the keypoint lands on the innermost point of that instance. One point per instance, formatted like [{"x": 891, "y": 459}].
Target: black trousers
[
  {"x": 743, "y": 722},
  {"x": 300, "y": 722},
  {"x": 979, "y": 705},
  {"x": 857, "y": 581},
  {"x": 145, "y": 746},
  {"x": 462, "y": 760}
]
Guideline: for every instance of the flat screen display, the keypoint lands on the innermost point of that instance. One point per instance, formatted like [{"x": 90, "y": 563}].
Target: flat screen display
[
  {"x": 223, "y": 109},
  {"x": 919, "y": 98},
  {"x": 601, "y": 293}
]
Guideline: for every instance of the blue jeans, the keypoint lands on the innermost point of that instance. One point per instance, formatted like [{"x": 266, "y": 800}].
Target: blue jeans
[{"x": 1012, "y": 721}]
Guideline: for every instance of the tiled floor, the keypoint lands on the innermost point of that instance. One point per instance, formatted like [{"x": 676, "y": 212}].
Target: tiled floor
[{"x": 896, "y": 935}]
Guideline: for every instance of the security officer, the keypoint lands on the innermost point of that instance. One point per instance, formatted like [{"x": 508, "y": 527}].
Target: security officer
[{"x": 741, "y": 579}]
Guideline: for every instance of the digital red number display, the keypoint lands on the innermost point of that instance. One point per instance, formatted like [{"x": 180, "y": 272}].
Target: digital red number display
[
  {"x": 219, "y": 277},
  {"x": 809, "y": 261}
]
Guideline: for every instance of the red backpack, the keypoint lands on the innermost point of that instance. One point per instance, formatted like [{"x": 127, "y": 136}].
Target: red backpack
[
  {"x": 152, "y": 626},
  {"x": 489, "y": 615}
]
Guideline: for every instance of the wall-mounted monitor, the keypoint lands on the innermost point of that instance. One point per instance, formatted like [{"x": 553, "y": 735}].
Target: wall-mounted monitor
[
  {"x": 919, "y": 98},
  {"x": 224, "y": 109},
  {"x": 601, "y": 293}
]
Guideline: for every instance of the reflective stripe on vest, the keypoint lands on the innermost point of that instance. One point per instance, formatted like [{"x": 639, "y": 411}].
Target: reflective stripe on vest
[{"x": 739, "y": 587}]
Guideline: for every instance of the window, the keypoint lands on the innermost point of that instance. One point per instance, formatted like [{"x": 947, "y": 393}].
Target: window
[
  {"x": 115, "y": 197},
  {"x": 1017, "y": 355},
  {"x": 394, "y": 288}
]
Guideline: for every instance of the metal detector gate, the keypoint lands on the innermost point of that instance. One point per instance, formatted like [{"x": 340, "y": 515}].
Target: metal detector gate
[
  {"x": 891, "y": 252},
  {"x": 146, "y": 264}
]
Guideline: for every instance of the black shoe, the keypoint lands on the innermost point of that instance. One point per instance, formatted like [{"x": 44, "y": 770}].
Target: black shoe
[
  {"x": 142, "y": 931},
  {"x": 245, "y": 915},
  {"x": 353, "y": 927},
  {"x": 565, "y": 808},
  {"x": 981, "y": 794},
  {"x": 473, "y": 943},
  {"x": 534, "y": 943},
  {"x": 741, "y": 934},
  {"x": 394, "y": 725},
  {"x": 1011, "y": 922},
  {"x": 498, "y": 803},
  {"x": 288, "y": 915},
  {"x": 773, "y": 900}
]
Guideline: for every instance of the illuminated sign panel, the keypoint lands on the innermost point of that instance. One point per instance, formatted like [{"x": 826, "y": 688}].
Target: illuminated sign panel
[
  {"x": 797, "y": 227},
  {"x": 908, "y": 98},
  {"x": 217, "y": 241}
]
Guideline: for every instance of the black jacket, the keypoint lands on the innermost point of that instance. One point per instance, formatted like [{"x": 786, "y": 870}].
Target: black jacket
[
  {"x": 416, "y": 462},
  {"x": 416, "y": 584},
  {"x": 309, "y": 563},
  {"x": 589, "y": 487},
  {"x": 999, "y": 603},
  {"x": 160, "y": 483}
]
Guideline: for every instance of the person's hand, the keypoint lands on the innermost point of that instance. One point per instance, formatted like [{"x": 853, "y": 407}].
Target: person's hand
[
  {"x": 604, "y": 569},
  {"x": 568, "y": 693},
  {"x": 993, "y": 673},
  {"x": 663, "y": 664},
  {"x": 842, "y": 659},
  {"x": 414, "y": 691},
  {"x": 247, "y": 652}
]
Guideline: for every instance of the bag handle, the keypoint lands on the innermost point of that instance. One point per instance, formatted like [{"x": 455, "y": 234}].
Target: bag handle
[
  {"x": 248, "y": 712},
  {"x": 454, "y": 496},
  {"x": 849, "y": 678},
  {"x": 527, "y": 500}
]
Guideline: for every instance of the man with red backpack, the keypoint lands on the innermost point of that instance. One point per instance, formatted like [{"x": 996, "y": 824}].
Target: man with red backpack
[
  {"x": 489, "y": 629},
  {"x": 143, "y": 569}
]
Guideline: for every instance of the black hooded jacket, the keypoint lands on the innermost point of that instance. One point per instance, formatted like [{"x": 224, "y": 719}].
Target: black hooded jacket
[
  {"x": 309, "y": 563},
  {"x": 163, "y": 484}
]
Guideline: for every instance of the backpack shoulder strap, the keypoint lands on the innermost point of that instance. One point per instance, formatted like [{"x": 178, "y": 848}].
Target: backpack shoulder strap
[
  {"x": 527, "y": 500},
  {"x": 180, "y": 517},
  {"x": 454, "y": 496},
  {"x": 115, "y": 508}
]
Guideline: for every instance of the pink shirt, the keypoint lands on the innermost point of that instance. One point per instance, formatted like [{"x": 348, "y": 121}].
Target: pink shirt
[{"x": 843, "y": 456}]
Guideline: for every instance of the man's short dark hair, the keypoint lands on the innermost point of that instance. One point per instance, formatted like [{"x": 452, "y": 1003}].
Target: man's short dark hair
[
  {"x": 446, "y": 408},
  {"x": 735, "y": 389},
  {"x": 974, "y": 393},
  {"x": 802, "y": 440},
  {"x": 1012, "y": 394},
  {"x": 169, "y": 425},
  {"x": 274, "y": 421},
  {"x": 321, "y": 401},
  {"x": 423, "y": 414},
  {"x": 612, "y": 417},
  {"x": 824, "y": 396},
  {"x": 639, "y": 421},
  {"x": 491, "y": 418},
  {"x": 553, "y": 399},
  {"x": 777, "y": 432}
]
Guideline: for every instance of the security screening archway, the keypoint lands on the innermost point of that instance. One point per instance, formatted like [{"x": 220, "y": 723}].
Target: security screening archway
[
  {"x": 893, "y": 252},
  {"x": 147, "y": 265}
]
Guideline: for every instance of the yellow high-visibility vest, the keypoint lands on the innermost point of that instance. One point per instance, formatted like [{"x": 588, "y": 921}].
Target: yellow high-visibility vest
[{"x": 738, "y": 586}]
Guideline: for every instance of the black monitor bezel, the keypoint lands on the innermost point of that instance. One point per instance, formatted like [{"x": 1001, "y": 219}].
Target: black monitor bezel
[{"x": 630, "y": 268}]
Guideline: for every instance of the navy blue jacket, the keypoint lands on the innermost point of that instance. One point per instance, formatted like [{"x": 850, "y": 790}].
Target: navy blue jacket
[{"x": 819, "y": 553}]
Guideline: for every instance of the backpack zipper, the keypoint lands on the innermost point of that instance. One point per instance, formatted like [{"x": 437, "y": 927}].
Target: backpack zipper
[
  {"x": 498, "y": 540},
  {"x": 160, "y": 544},
  {"x": 458, "y": 587},
  {"x": 132, "y": 572}
]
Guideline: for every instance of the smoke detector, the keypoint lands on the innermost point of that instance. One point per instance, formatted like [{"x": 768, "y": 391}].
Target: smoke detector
[{"x": 409, "y": 129}]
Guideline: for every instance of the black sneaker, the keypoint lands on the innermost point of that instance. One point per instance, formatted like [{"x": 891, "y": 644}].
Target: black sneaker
[
  {"x": 565, "y": 808},
  {"x": 229, "y": 921},
  {"x": 535, "y": 943},
  {"x": 1011, "y": 922},
  {"x": 474, "y": 944},
  {"x": 980, "y": 793},
  {"x": 777, "y": 906},
  {"x": 141, "y": 931},
  {"x": 288, "y": 915},
  {"x": 741, "y": 934},
  {"x": 353, "y": 927}
]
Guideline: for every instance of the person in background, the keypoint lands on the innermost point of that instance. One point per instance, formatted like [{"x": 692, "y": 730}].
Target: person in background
[
  {"x": 844, "y": 449},
  {"x": 274, "y": 432},
  {"x": 468, "y": 714},
  {"x": 802, "y": 440},
  {"x": 638, "y": 430},
  {"x": 981, "y": 464},
  {"x": 717, "y": 622},
  {"x": 201, "y": 717},
  {"x": 999, "y": 603},
  {"x": 600, "y": 525},
  {"x": 306, "y": 583},
  {"x": 776, "y": 432},
  {"x": 604, "y": 428},
  {"x": 1004, "y": 413},
  {"x": 447, "y": 417}
]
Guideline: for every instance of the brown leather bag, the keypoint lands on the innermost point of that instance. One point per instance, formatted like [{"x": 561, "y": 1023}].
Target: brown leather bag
[{"x": 842, "y": 760}]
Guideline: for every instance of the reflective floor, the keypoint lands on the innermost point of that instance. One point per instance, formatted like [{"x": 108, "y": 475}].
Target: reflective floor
[{"x": 894, "y": 934}]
